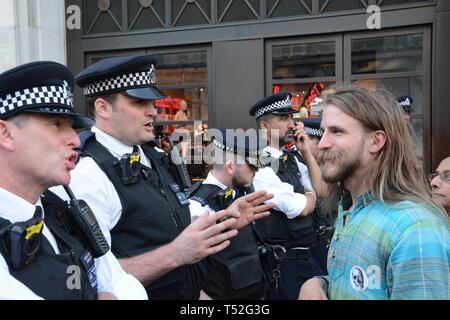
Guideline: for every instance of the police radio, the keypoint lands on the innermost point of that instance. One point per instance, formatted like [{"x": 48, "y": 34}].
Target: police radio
[
  {"x": 86, "y": 225},
  {"x": 180, "y": 166}
]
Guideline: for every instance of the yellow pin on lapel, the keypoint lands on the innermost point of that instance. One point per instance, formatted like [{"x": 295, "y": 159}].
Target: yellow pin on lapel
[
  {"x": 228, "y": 193},
  {"x": 34, "y": 229},
  {"x": 135, "y": 158},
  {"x": 285, "y": 158}
]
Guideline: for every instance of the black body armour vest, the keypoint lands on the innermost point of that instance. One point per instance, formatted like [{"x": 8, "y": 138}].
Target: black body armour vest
[
  {"x": 235, "y": 272},
  {"x": 69, "y": 275},
  {"x": 277, "y": 228},
  {"x": 153, "y": 215}
]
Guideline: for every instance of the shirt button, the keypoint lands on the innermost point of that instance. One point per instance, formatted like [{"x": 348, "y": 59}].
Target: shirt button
[
  {"x": 332, "y": 254},
  {"x": 337, "y": 237}
]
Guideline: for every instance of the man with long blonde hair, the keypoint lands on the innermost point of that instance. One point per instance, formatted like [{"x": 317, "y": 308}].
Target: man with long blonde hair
[{"x": 391, "y": 240}]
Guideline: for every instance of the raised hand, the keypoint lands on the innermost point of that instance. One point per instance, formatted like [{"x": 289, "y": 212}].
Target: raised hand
[
  {"x": 248, "y": 209},
  {"x": 203, "y": 237}
]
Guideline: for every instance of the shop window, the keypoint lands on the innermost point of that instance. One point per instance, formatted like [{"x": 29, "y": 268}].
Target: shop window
[
  {"x": 394, "y": 63},
  {"x": 183, "y": 114},
  {"x": 305, "y": 69},
  {"x": 400, "y": 53},
  {"x": 307, "y": 60},
  {"x": 304, "y": 97}
]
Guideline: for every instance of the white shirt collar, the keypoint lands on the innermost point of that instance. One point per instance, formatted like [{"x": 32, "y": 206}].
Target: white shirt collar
[
  {"x": 16, "y": 209},
  {"x": 275, "y": 153},
  {"x": 115, "y": 146},
  {"x": 210, "y": 179}
]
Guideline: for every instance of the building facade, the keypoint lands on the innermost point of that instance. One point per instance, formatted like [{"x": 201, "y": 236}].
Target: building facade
[
  {"x": 31, "y": 30},
  {"x": 221, "y": 56}
]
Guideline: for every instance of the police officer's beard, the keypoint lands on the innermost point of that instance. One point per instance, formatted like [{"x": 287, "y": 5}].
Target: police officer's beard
[
  {"x": 238, "y": 183},
  {"x": 287, "y": 138},
  {"x": 341, "y": 170}
]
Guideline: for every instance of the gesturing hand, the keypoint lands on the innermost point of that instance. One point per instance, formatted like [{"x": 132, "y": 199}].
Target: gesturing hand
[
  {"x": 203, "y": 237},
  {"x": 248, "y": 209}
]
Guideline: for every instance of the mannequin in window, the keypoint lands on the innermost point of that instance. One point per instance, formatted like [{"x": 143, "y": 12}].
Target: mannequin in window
[{"x": 182, "y": 132}]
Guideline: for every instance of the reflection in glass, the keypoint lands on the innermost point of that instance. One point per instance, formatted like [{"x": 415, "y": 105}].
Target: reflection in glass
[
  {"x": 401, "y": 53},
  {"x": 412, "y": 87},
  {"x": 408, "y": 86},
  {"x": 182, "y": 68},
  {"x": 303, "y": 96},
  {"x": 309, "y": 60}
]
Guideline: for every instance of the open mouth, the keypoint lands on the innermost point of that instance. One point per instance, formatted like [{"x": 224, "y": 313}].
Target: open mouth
[
  {"x": 71, "y": 161},
  {"x": 149, "y": 125}
]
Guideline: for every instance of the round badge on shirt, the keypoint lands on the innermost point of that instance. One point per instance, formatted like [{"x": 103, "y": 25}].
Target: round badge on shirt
[{"x": 358, "y": 279}]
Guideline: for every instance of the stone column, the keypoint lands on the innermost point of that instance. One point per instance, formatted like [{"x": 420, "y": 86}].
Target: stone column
[{"x": 32, "y": 30}]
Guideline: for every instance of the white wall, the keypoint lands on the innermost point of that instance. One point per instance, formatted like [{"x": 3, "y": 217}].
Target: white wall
[{"x": 31, "y": 30}]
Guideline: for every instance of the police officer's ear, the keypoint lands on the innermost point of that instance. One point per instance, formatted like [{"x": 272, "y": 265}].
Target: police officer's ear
[
  {"x": 229, "y": 167},
  {"x": 6, "y": 135},
  {"x": 103, "y": 108}
]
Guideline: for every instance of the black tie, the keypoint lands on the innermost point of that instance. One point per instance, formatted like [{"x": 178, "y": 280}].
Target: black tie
[{"x": 38, "y": 213}]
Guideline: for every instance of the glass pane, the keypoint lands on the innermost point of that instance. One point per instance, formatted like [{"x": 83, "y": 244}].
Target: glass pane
[
  {"x": 303, "y": 96},
  {"x": 400, "y": 53},
  {"x": 181, "y": 116},
  {"x": 309, "y": 60},
  {"x": 182, "y": 68},
  {"x": 408, "y": 86}
]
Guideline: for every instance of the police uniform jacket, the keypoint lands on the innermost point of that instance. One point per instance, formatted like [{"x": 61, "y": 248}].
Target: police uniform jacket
[
  {"x": 284, "y": 226},
  {"x": 154, "y": 216},
  {"x": 235, "y": 272},
  {"x": 48, "y": 276}
]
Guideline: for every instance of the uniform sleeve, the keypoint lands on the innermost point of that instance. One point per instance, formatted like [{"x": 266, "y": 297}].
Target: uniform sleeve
[
  {"x": 91, "y": 184},
  {"x": 305, "y": 180},
  {"x": 197, "y": 209},
  {"x": 113, "y": 279},
  {"x": 11, "y": 288},
  {"x": 418, "y": 266},
  {"x": 287, "y": 201}
]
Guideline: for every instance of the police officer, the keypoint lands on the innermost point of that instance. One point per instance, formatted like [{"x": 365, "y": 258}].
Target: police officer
[
  {"x": 236, "y": 272},
  {"x": 131, "y": 186},
  {"x": 40, "y": 256},
  {"x": 406, "y": 103},
  {"x": 288, "y": 178}
]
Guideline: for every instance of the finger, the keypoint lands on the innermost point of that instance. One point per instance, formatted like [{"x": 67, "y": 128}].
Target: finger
[
  {"x": 217, "y": 248},
  {"x": 265, "y": 207},
  {"x": 206, "y": 220},
  {"x": 211, "y": 242},
  {"x": 253, "y": 196},
  {"x": 218, "y": 228},
  {"x": 232, "y": 213},
  {"x": 263, "y": 198},
  {"x": 261, "y": 215}
]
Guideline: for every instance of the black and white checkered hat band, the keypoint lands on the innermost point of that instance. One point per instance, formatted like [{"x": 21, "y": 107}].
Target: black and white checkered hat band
[
  {"x": 36, "y": 97},
  {"x": 220, "y": 145},
  {"x": 278, "y": 105},
  {"x": 313, "y": 132},
  {"x": 125, "y": 81}
]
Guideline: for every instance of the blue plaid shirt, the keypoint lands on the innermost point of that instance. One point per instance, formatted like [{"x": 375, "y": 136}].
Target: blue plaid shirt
[{"x": 400, "y": 251}]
